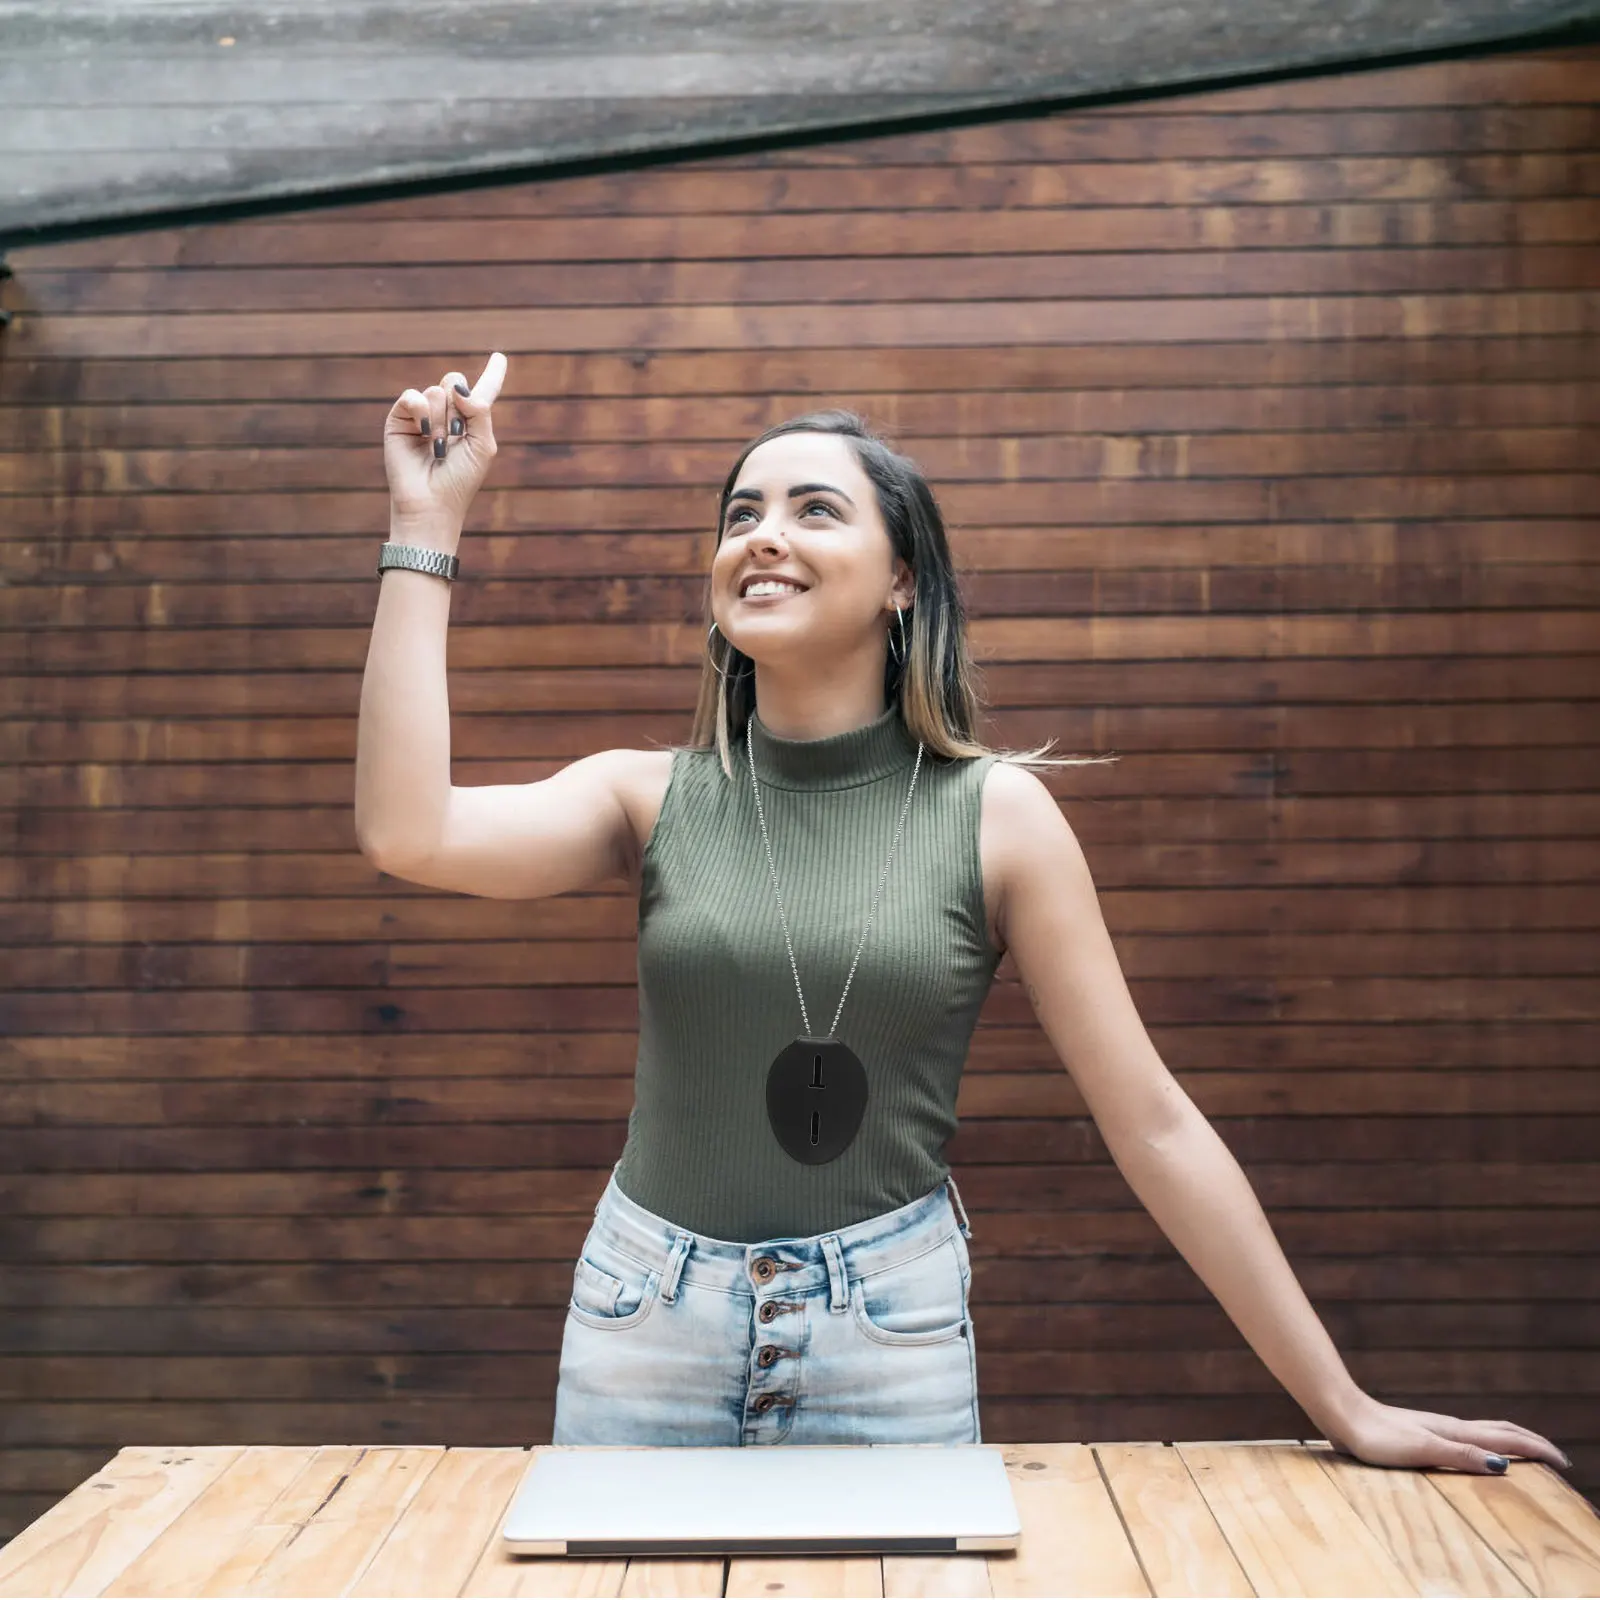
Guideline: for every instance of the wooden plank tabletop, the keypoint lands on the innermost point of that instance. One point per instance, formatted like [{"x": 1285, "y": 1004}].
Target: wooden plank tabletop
[{"x": 1266, "y": 1517}]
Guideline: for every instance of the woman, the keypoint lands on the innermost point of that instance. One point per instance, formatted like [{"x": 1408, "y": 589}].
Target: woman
[{"x": 779, "y": 1255}]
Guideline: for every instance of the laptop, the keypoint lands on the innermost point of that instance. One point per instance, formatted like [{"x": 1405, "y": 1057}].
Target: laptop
[{"x": 763, "y": 1500}]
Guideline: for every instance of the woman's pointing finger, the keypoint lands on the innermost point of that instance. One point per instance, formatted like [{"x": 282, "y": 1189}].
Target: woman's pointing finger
[{"x": 486, "y": 390}]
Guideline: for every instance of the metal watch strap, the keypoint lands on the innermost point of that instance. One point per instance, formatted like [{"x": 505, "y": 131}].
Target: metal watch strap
[{"x": 417, "y": 558}]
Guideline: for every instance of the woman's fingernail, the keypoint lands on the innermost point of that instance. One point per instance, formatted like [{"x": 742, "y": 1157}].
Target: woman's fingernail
[
  {"x": 1498, "y": 1463},
  {"x": 422, "y": 427},
  {"x": 456, "y": 424},
  {"x": 438, "y": 448},
  {"x": 461, "y": 388}
]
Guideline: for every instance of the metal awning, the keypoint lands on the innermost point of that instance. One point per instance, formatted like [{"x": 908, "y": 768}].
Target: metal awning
[{"x": 118, "y": 110}]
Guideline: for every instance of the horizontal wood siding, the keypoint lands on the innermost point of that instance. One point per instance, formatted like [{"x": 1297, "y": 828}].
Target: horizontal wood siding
[{"x": 1266, "y": 425}]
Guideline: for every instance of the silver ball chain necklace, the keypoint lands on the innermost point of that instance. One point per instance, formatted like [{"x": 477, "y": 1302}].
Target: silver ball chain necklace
[{"x": 817, "y": 1087}]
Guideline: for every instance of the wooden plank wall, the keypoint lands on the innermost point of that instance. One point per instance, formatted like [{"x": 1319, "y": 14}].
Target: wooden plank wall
[{"x": 1266, "y": 424}]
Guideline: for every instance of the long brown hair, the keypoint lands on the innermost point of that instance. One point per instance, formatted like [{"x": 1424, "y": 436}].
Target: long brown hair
[{"x": 934, "y": 685}]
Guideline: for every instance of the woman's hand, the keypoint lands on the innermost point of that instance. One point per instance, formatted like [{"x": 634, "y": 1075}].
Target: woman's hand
[
  {"x": 434, "y": 471},
  {"x": 1392, "y": 1436}
]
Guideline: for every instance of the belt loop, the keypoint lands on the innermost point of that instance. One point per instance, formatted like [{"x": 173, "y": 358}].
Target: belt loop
[
  {"x": 674, "y": 1267},
  {"x": 961, "y": 1210},
  {"x": 838, "y": 1281}
]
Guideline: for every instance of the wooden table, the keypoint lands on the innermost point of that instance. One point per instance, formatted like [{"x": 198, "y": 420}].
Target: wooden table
[{"x": 1269, "y": 1517}]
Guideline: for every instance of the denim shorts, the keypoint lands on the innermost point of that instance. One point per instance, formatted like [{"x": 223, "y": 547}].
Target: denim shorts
[{"x": 858, "y": 1336}]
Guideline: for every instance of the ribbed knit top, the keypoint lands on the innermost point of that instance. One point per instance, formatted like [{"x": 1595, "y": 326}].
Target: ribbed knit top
[{"x": 717, "y": 997}]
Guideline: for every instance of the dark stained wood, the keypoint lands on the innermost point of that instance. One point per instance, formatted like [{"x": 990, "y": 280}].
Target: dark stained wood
[
  {"x": 623, "y": 509},
  {"x": 766, "y": 382},
  {"x": 329, "y": 1378},
  {"x": 1060, "y": 321},
  {"x": 1462, "y": 452},
  {"x": 1171, "y": 410},
  {"x": 1109, "y": 274},
  {"x": 393, "y": 1416},
  {"x": 1134, "y": 1302},
  {"x": 1265, "y": 423},
  {"x": 889, "y": 230}
]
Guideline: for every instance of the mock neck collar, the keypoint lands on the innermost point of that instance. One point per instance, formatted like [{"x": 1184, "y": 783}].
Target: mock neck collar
[{"x": 839, "y": 761}]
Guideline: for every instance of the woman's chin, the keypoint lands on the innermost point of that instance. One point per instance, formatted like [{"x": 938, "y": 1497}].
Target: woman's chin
[
  {"x": 773, "y": 627},
  {"x": 777, "y": 647}
]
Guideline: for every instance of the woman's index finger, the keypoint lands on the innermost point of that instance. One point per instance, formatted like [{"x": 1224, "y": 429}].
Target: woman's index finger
[{"x": 487, "y": 389}]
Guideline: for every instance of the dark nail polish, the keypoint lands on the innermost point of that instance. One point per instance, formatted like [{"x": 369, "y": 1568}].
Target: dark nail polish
[
  {"x": 422, "y": 427},
  {"x": 1498, "y": 1463},
  {"x": 438, "y": 448},
  {"x": 456, "y": 425},
  {"x": 461, "y": 388}
]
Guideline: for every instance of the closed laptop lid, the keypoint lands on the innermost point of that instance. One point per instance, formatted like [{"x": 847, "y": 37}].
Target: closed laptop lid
[{"x": 754, "y": 1499}]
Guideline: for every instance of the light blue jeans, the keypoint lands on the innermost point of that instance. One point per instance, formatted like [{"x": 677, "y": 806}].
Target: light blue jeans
[{"x": 858, "y": 1336}]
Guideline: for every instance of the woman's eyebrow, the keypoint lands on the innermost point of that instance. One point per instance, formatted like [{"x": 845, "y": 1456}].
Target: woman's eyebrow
[{"x": 795, "y": 491}]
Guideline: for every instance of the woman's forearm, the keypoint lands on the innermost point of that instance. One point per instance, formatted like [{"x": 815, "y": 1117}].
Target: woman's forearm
[
  {"x": 403, "y": 732},
  {"x": 1201, "y": 1199}
]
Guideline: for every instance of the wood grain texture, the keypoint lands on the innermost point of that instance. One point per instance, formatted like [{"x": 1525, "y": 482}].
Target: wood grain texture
[
  {"x": 1181, "y": 1547},
  {"x": 1136, "y": 1519},
  {"x": 1547, "y": 1534},
  {"x": 1327, "y": 1549},
  {"x": 1265, "y": 422},
  {"x": 1421, "y": 1528},
  {"x": 119, "y": 111}
]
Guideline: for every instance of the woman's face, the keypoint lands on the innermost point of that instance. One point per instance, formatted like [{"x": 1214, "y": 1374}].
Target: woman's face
[{"x": 802, "y": 509}]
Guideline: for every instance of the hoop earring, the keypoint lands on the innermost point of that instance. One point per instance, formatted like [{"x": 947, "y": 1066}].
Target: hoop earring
[
  {"x": 718, "y": 670},
  {"x": 899, "y": 660}
]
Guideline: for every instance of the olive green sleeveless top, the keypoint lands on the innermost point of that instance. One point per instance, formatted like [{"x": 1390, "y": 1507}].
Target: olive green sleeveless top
[{"x": 717, "y": 997}]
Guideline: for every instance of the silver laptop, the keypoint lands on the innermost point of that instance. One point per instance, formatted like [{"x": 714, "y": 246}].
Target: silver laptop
[{"x": 763, "y": 1500}]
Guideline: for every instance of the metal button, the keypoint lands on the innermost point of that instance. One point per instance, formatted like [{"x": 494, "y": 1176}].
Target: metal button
[
  {"x": 768, "y": 1311},
  {"x": 766, "y": 1402},
  {"x": 769, "y": 1354},
  {"x": 764, "y": 1269}
]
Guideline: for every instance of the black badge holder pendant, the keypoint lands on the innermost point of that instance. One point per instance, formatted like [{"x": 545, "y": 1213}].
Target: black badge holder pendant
[
  {"x": 817, "y": 1087},
  {"x": 816, "y": 1098}
]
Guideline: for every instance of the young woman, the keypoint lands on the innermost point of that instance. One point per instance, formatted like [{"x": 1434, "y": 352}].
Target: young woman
[{"x": 828, "y": 874}]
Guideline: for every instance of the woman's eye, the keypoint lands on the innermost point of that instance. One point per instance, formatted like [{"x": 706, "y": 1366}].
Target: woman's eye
[{"x": 814, "y": 505}]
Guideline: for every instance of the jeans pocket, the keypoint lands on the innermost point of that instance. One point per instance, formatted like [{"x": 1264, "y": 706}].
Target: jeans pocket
[
  {"x": 917, "y": 1302},
  {"x": 611, "y": 1289}
]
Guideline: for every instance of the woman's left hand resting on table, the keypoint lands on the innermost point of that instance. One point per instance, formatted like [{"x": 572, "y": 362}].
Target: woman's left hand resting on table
[
  {"x": 1175, "y": 1162},
  {"x": 1392, "y": 1436}
]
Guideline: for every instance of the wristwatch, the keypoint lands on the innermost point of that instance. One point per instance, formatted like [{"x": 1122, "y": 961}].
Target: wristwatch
[{"x": 417, "y": 558}]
